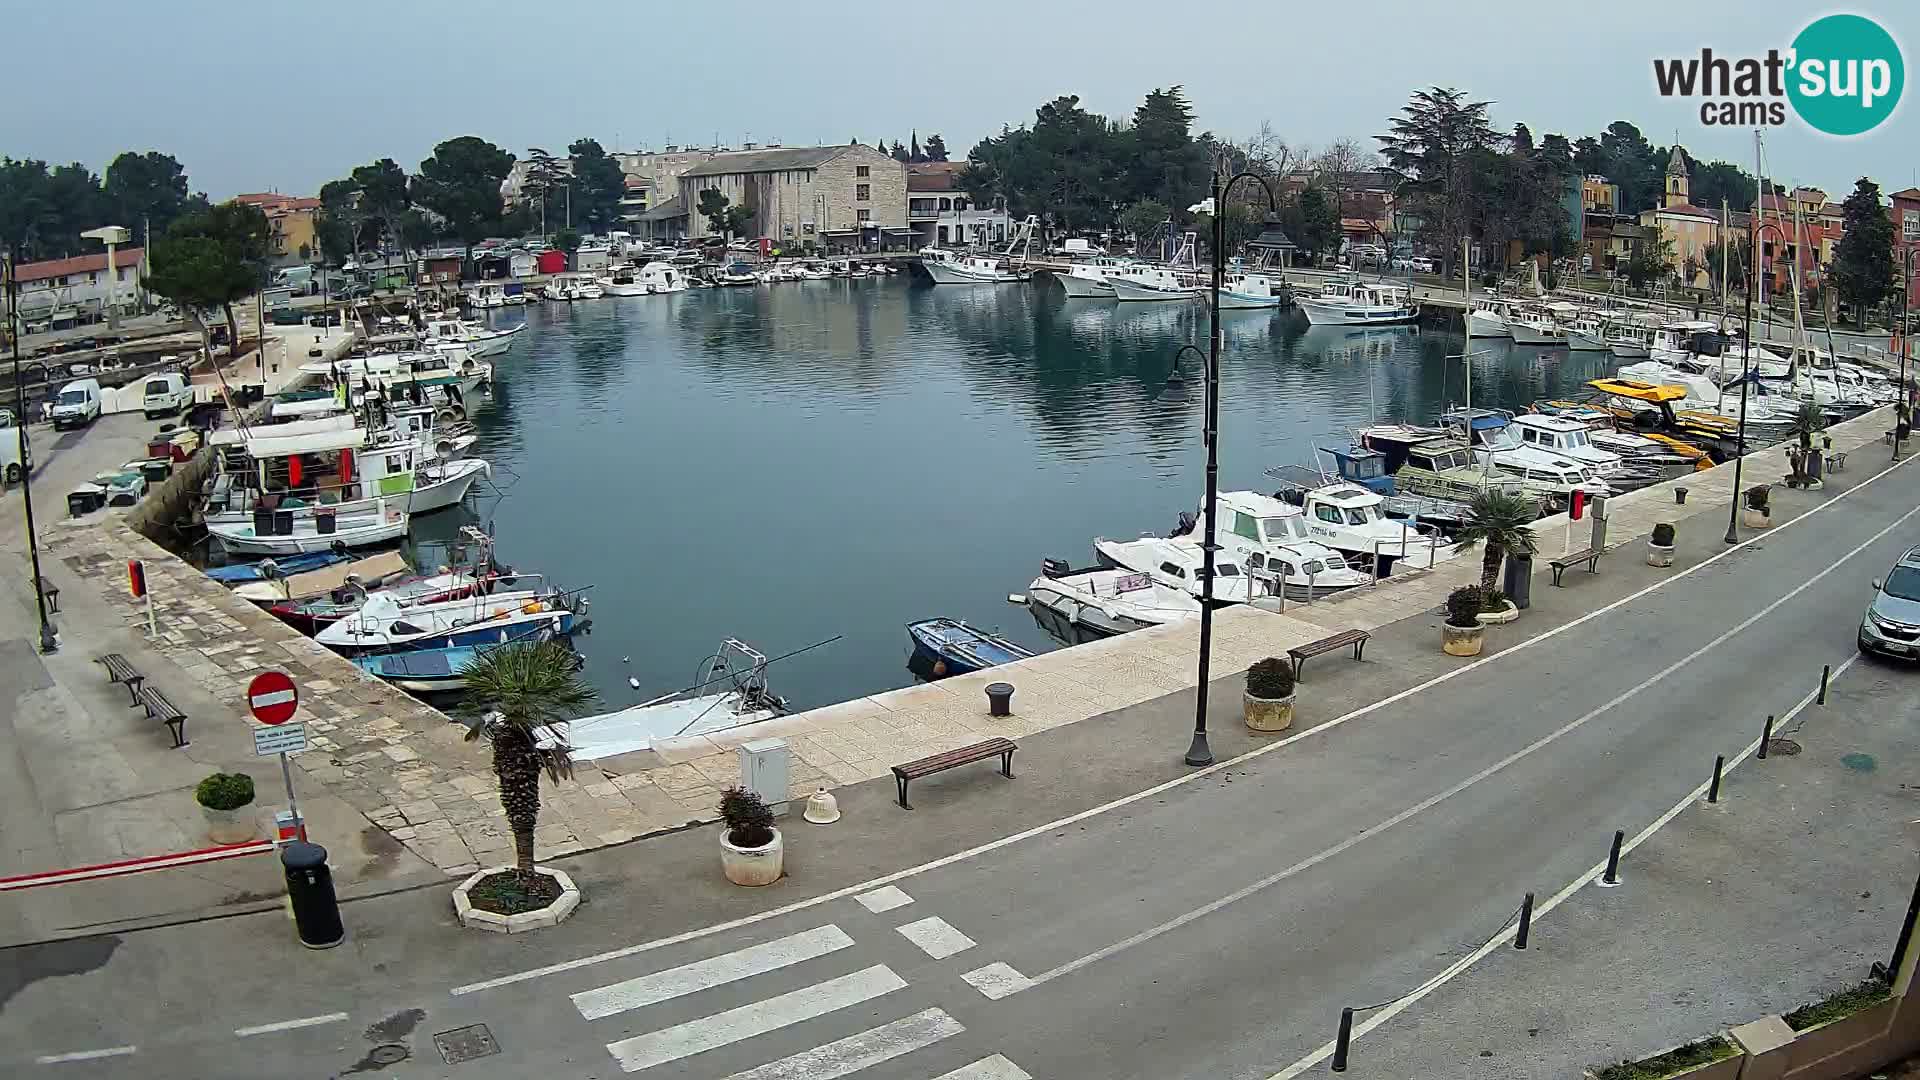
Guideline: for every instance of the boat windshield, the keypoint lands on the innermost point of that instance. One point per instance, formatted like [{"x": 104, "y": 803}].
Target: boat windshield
[
  {"x": 1574, "y": 440},
  {"x": 1359, "y": 515},
  {"x": 1277, "y": 528},
  {"x": 1226, "y": 569},
  {"x": 1903, "y": 583}
]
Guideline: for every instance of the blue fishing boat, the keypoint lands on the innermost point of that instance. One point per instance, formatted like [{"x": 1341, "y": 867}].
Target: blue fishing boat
[
  {"x": 433, "y": 671},
  {"x": 943, "y": 647},
  {"x": 267, "y": 569}
]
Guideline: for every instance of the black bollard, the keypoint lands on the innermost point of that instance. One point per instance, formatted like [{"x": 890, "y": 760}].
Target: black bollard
[
  {"x": 316, "y": 911},
  {"x": 1612, "y": 876},
  {"x": 1340, "y": 1041},
  {"x": 1526, "y": 922},
  {"x": 1766, "y": 736},
  {"x": 1713, "y": 789},
  {"x": 999, "y": 699},
  {"x": 1826, "y": 675}
]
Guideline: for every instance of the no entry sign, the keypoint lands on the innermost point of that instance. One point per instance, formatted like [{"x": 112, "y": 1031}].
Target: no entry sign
[{"x": 272, "y": 697}]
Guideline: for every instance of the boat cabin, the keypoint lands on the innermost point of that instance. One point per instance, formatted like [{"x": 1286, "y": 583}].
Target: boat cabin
[{"x": 1567, "y": 437}]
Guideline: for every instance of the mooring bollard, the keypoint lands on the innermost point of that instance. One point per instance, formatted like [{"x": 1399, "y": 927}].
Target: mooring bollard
[
  {"x": 1526, "y": 922},
  {"x": 1713, "y": 789},
  {"x": 1826, "y": 676},
  {"x": 999, "y": 699},
  {"x": 1679, "y": 495},
  {"x": 1340, "y": 1041},
  {"x": 1612, "y": 876},
  {"x": 1766, "y": 736}
]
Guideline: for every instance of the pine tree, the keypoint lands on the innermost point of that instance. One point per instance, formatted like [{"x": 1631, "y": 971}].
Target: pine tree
[{"x": 1863, "y": 260}]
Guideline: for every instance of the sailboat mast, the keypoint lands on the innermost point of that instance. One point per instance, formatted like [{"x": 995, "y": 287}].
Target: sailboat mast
[
  {"x": 1466, "y": 350},
  {"x": 1722, "y": 403}
]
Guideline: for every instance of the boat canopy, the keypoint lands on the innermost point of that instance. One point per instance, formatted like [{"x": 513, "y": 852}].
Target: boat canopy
[
  {"x": 1639, "y": 391},
  {"x": 318, "y": 442},
  {"x": 275, "y": 432}
]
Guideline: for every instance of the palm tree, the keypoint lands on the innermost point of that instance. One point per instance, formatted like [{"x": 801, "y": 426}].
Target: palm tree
[
  {"x": 513, "y": 689},
  {"x": 1499, "y": 520},
  {"x": 1808, "y": 420}
]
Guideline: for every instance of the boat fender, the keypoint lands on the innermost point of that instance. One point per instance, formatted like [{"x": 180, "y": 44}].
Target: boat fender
[
  {"x": 532, "y": 608},
  {"x": 939, "y": 668}
]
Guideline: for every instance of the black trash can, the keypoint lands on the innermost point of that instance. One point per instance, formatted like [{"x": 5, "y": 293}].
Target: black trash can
[
  {"x": 283, "y": 523},
  {"x": 1517, "y": 580},
  {"x": 316, "y": 911},
  {"x": 323, "y": 522},
  {"x": 83, "y": 500},
  {"x": 262, "y": 521},
  {"x": 156, "y": 471},
  {"x": 1000, "y": 699}
]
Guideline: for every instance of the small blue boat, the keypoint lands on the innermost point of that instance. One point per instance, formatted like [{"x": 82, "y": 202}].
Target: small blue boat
[
  {"x": 943, "y": 647},
  {"x": 433, "y": 671},
  {"x": 240, "y": 573}
]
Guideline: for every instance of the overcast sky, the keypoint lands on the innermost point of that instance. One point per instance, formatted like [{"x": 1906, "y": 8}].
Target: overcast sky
[{"x": 253, "y": 96}]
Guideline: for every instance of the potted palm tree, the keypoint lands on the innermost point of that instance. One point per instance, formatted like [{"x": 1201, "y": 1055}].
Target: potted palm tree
[
  {"x": 1268, "y": 703},
  {"x": 751, "y": 851},
  {"x": 521, "y": 695},
  {"x": 1756, "y": 513},
  {"x": 1660, "y": 545},
  {"x": 223, "y": 799},
  {"x": 1462, "y": 634},
  {"x": 1498, "y": 520}
]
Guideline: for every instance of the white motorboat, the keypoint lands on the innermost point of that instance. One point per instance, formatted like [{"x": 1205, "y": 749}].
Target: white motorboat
[
  {"x": 1087, "y": 280},
  {"x": 1568, "y": 438},
  {"x": 1360, "y": 304},
  {"x": 734, "y": 275},
  {"x": 1765, "y": 407},
  {"x": 1178, "y": 564},
  {"x": 490, "y": 295},
  {"x": 1685, "y": 342},
  {"x": 290, "y": 535},
  {"x": 573, "y": 286},
  {"x": 1271, "y": 540},
  {"x": 661, "y": 277},
  {"x": 334, "y": 472},
  {"x": 973, "y": 270},
  {"x": 1351, "y": 519},
  {"x": 1157, "y": 284},
  {"x": 1499, "y": 450},
  {"x": 622, "y": 282},
  {"x": 1083, "y": 605},
  {"x": 1534, "y": 325},
  {"x": 1488, "y": 318},
  {"x": 485, "y": 619},
  {"x": 1587, "y": 333},
  {"x": 478, "y": 341},
  {"x": 1249, "y": 291},
  {"x": 1629, "y": 341},
  {"x": 732, "y": 694}
]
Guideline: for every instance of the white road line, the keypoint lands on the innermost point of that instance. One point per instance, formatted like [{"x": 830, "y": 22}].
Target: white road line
[
  {"x": 996, "y": 981},
  {"x": 1158, "y": 789},
  {"x": 886, "y": 899},
  {"x": 988, "y": 1068},
  {"x": 720, "y": 1029},
  {"x": 1460, "y": 966},
  {"x": 714, "y": 971},
  {"x": 843, "y": 1057},
  {"x": 289, "y": 1025},
  {"x": 85, "y": 1055},
  {"x": 936, "y": 937}
]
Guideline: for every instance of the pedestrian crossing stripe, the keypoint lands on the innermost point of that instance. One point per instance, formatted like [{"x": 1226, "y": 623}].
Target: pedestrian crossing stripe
[
  {"x": 724, "y": 1028},
  {"x": 843, "y": 1057}
]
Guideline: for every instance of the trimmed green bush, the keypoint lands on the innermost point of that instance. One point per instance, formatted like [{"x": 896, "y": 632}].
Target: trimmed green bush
[
  {"x": 1270, "y": 678},
  {"x": 1757, "y": 497},
  {"x": 1663, "y": 535},
  {"x": 748, "y": 818},
  {"x": 1464, "y": 606},
  {"x": 224, "y": 791}
]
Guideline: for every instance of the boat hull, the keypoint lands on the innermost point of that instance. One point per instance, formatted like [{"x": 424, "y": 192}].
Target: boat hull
[
  {"x": 1083, "y": 288},
  {"x": 1233, "y": 301},
  {"x": 1533, "y": 335},
  {"x": 947, "y": 274},
  {"x": 1322, "y": 314},
  {"x": 1485, "y": 327},
  {"x": 449, "y": 490},
  {"x": 1628, "y": 352},
  {"x": 1579, "y": 342},
  {"x": 243, "y": 541},
  {"x": 1133, "y": 292}
]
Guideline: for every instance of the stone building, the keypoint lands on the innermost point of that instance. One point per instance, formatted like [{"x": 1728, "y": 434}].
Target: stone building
[
  {"x": 943, "y": 215},
  {"x": 848, "y": 197}
]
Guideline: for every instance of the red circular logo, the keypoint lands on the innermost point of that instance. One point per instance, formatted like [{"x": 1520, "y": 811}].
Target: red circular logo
[{"x": 272, "y": 697}]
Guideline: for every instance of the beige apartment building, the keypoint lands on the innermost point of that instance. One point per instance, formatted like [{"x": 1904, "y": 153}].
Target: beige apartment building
[{"x": 849, "y": 197}]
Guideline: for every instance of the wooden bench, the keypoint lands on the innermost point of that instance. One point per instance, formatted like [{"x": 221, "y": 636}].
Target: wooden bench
[
  {"x": 980, "y": 751},
  {"x": 1575, "y": 558},
  {"x": 159, "y": 708},
  {"x": 119, "y": 671},
  {"x": 1301, "y": 653}
]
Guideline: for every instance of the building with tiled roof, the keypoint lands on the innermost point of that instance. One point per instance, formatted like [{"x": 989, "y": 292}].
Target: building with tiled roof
[
  {"x": 69, "y": 290},
  {"x": 852, "y": 195}
]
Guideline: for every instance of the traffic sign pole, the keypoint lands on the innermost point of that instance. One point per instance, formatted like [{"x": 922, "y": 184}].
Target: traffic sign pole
[
  {"x": 274, "y": 699},
  {"x": 293, "y": 804}
]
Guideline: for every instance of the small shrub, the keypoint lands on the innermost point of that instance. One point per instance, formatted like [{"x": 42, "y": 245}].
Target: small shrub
[
  {"x": 1663, "y": 535},
  {"x": 1464, "y": 606},
  {"x": 1839, "y": 1006},
  {"x": 1757, "y": 497},
  {"x": 1704, "y": 1052},
  {"x": 1270, "y": 678},
  {"x": 224, "y": 791},
  {"x": 748, "y": 819},
  {"x": 1495, "y": 599}
]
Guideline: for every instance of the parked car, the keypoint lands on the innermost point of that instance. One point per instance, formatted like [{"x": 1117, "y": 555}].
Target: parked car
[
  {"x": 324, "y": 318},
  {"x": 1891, "y": 625},
  {"x": 165, "y": 394},
  {"x": 1422, "y": 264},
  {"x": 77, "y": 405}
]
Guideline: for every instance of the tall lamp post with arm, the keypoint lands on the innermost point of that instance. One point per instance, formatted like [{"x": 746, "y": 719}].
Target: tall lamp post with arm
[
  {"x": 1199, "y": 753},
  {"x": 49, "y": 634}
]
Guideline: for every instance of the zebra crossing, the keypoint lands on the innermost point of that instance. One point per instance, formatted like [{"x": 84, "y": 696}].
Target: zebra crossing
[{"x": 844, "y": 1056}]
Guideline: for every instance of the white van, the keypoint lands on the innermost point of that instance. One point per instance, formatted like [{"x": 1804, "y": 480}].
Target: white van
[
  {"x": 11, "y": 464},
  {"x": 78, "y": 404},
  {"x": 165, "y": 394}
]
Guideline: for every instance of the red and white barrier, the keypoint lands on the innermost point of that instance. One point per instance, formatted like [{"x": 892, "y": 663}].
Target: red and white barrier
[{"x": 136, "y": 866}]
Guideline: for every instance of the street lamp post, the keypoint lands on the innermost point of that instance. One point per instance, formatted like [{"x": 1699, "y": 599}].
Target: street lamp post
[
  {"x": 49, "y": 634},
  {"x": 1902, "y": 404},
  {"x": 1199, "y": 753}
]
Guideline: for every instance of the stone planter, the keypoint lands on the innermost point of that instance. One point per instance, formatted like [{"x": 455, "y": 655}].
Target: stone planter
[
  {"x": 1267, "y": 714},
  {"x": 1461, "y": 640},
  {"x": 1755, "y": 519},
  {"x": 1658, "y": 555},
  {"x": 1507, "y": 613},
  {"x": 235, "y": 826},
  {"x": 552, "y": 915},
  {"x": 753, "y": 866}
]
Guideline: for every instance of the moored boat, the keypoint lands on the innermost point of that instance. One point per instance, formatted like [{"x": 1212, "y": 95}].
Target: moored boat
[{"x": 951, "y": 647}]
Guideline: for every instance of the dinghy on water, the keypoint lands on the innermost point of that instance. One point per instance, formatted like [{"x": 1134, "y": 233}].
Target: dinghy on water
[
  {"x": 272, "y": 569},
  {"x": 732, "y": 692},
  {"x": 950, "y": 647}
]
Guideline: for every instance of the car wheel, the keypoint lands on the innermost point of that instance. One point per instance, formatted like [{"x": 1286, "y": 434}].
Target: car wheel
[{"x": 13, "y": 474}]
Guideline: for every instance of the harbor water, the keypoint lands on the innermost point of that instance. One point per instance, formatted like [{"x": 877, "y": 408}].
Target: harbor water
[{"x": 788, "y": 462}]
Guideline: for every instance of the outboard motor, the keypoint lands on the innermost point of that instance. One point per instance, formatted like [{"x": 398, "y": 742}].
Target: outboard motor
[
  {"x": 1054, "y": 568},
  {"x": 1185, "y": 523}
]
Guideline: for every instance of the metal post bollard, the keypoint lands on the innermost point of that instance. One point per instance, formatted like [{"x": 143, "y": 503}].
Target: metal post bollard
[
  {"x": 316, "y": 911},
  {"x": 1342, "y": 1040},
  {"x": 1526, "y": 922},
  {"x": 1612, "y": 876},
  {"x": 1679, "y": 496},
  {"x": 1713, "y": 789},
  {"x": 1000, "y": 699},
  {"x": 1766, "y": 736},
  {"x": 1826, "y": 676}
]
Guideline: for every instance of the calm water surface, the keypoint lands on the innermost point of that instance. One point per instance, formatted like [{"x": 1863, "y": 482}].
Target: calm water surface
[{"x": 788, "y": 462}]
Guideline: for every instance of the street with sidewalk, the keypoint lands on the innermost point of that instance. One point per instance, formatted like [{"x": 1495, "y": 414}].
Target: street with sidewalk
[{"x": 1111, "y": 912}]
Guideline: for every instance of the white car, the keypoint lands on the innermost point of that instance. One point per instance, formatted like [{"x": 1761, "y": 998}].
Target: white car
[{"x": 165, "y": 394}]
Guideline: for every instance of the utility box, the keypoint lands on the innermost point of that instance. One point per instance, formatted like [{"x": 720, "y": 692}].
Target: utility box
[
  {"x": 1517, "y": 581},
  {"x": 1599, "y": 524},
  {"x": 763, "y": 771}
]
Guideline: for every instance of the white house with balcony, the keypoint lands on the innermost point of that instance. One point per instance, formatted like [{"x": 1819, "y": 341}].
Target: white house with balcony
[{"x": 942, "y": 214}]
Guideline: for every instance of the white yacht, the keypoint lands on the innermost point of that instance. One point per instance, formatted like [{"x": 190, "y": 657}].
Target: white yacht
[
  {"x": 572, "y": 286},
  {"x": 1272, "y": 542},
  {"x": 1084, "y": 605},
  {"x": 1360, "y": 304},
  {"x": 489, "y": 295},
  {"x": 1177, "y": 564},
  {"x": 1352, "y": 520},
  {"x": 622, "y": 282},
  {"x": 1251, "y": 291},
  {"x": 1499, "y": 450},
  {"x": 1567, "y": 438},
  {"x": 1087, "y": 279},
  {"x": 661, "y": 277}
]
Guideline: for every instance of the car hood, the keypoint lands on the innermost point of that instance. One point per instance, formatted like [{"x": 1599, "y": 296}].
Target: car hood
[{"x": 1891, "y": 608}]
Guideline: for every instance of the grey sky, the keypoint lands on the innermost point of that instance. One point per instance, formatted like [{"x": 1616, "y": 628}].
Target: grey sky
[{"x": 254, "y": 96}]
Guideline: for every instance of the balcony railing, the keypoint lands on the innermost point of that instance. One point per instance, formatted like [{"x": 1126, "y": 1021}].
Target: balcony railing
[{"x": 917, "y": 212}]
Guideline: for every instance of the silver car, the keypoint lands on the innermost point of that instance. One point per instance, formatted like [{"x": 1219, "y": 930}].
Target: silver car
[{"x": 1892, "y": 623}]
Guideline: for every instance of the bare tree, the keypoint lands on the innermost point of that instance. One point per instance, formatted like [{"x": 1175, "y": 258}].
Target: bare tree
[{"x": 1336, "y": 169}]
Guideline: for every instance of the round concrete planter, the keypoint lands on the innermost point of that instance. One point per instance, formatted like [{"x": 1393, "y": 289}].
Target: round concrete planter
[
  {"x": 235, "y": 826},
  {"x": 1756, "y": 519},
  {"x": 1658, "y": 555},
  {"x": 1462, "y": 640},
  {"x": 1507, "y": 613},
  {"x": 753, "y": 866},
  {"x": 1267, "y": 714},
  {"x": 553, "y": 914}
]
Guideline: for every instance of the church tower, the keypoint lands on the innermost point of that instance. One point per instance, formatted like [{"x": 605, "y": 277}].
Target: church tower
[{"x": 1677, "y": 178}]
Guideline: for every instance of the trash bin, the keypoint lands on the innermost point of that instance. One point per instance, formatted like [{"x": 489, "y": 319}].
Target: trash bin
[
  {"x": 1517, "y": 580},
  {"x": 316, "y": 911},
  {"x": 283, "y": 523},
  {"x": 156, "y": 471},
  {"x": 262, "y": 521},
  {"x": 1000, "y": 699},
  {"x": 85, "y": 499},
  {"x": 323, "y": 522},
  {"x": 1679, "y": 495}
]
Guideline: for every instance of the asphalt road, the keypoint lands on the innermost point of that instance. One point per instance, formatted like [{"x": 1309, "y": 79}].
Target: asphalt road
[{"x": 1213, "y": 929}]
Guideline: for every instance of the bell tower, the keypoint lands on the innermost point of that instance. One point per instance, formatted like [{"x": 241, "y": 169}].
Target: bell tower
[{"x": 1677, "y": 177}]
